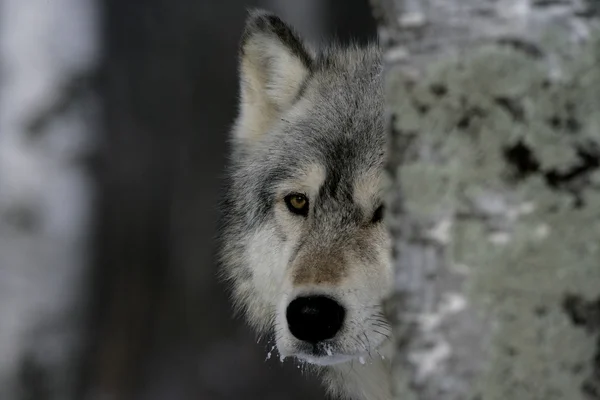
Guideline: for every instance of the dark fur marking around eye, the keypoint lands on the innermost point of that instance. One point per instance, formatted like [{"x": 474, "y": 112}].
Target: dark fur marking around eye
[{"x": 377, "y": 215}]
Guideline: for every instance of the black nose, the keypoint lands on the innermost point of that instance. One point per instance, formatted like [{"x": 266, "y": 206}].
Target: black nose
[{"x": 314, "y": 318}]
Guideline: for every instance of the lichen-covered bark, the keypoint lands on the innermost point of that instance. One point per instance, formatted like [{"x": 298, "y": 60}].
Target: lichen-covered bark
[
  {"x": 495, "y": 198},
  {"x": 48, "y": 50}
]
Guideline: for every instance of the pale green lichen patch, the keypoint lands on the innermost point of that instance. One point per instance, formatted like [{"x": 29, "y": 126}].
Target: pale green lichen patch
[{"x": 510, "y": 144}]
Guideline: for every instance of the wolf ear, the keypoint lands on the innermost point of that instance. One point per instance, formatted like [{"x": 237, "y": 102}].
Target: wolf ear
[{"x": 273, "y": 64}]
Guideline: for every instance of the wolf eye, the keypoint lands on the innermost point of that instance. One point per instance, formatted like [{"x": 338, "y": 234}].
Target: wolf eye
[
  {"x": 297, "y": 203},
  {"x": 377, "y": 215}
]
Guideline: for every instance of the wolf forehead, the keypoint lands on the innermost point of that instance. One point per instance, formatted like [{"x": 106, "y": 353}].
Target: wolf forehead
[
  {"x": 329, "y": 158},
  {"x": 335, "y": 123},
  {"x": 339, "y": 105}
]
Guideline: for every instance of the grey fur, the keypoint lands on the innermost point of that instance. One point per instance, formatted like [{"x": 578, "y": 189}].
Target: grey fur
[{"x": 337, "y": 123}]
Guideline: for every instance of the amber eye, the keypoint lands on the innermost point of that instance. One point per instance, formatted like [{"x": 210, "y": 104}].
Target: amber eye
[
  {"x": 297, "y": 203},
  {"x": 377, "y": 215}
]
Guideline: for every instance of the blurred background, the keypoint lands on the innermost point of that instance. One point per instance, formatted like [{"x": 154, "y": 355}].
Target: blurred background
[{"x": 114, "y": 116}]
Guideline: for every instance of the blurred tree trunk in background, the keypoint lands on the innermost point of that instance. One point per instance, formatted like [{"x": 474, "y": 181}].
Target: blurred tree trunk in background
[
  {"x": 48, "y": 124},
  {"x": 157, "y": 306},
  {"x": 494, "y": 121}
]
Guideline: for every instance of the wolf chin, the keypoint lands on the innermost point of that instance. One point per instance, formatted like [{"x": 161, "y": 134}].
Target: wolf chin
[{"x": 303, "y": 239}]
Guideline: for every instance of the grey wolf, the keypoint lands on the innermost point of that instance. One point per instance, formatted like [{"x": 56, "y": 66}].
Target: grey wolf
[{"x": 303, "y": 239}]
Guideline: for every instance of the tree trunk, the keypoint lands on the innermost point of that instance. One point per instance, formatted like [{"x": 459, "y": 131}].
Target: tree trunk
[
  {"x": 494, "y": 125},
  {"x": 48, "y": 52}
]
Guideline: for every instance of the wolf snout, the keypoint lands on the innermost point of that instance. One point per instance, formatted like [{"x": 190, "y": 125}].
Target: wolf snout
[{"x": 315, "y": 318}]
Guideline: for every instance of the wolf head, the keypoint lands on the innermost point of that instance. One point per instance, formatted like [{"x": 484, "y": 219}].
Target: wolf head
[{"x": 303, "y": 243}]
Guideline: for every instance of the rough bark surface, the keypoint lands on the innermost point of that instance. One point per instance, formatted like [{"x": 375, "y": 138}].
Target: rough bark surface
[
  {"x": 48, "y": 50},
  {"x": 494, "y": 123}
]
